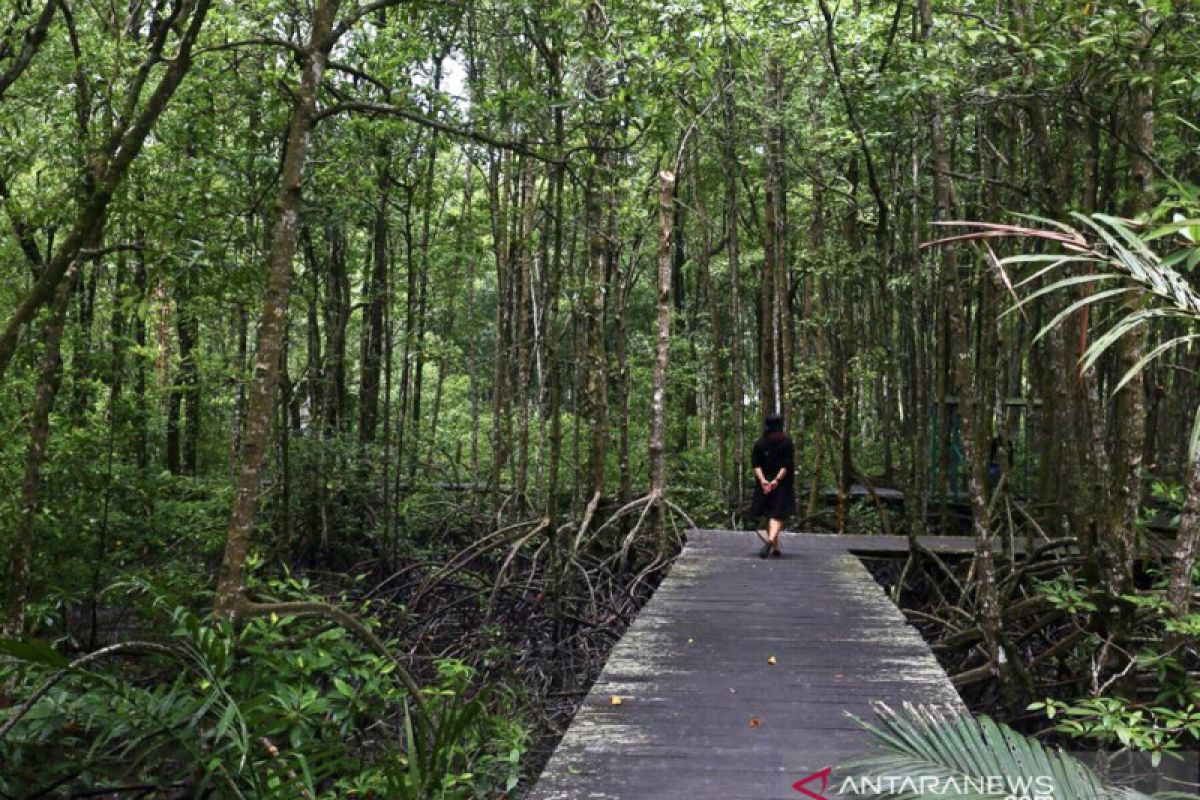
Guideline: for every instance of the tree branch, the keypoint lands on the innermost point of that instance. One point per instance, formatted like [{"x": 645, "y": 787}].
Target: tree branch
[
  {"x": 384, "y": 109},
  {"x": 33, "y": 41},
  {"x": 855, "y": 123}
]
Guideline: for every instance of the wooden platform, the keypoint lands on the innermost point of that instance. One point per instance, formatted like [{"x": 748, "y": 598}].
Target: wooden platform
[{"x": 703, "y": 714}]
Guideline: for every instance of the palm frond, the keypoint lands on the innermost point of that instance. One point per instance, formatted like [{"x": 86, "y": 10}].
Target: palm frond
[
  {"x": 1086, "y": 300},
  {"x": 1121, "y": 327},
  {"x": 1055, "y": 261},
  {"x": 929, "y": 752},
  {"x": 1059, "y": 285},
  {"x": 1136, "y": 369},
  {"x": 1160, "y": 292}
]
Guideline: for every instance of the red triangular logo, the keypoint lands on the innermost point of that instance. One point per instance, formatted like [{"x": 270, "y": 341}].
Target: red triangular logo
[{"x": 800, "y": 787}]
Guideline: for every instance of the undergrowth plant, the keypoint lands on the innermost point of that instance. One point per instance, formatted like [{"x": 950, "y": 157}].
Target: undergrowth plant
[{"x": 278, "y": 708}]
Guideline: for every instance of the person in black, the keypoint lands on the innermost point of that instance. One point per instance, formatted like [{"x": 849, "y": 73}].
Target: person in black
[{"x": 774, "y": 464}]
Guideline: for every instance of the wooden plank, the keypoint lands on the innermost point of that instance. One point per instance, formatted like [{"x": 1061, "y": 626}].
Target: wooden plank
[{"x": 703, "y": 713}]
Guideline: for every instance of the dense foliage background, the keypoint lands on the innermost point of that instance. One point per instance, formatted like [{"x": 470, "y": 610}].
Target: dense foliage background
[{"x": 362, "y": 365}]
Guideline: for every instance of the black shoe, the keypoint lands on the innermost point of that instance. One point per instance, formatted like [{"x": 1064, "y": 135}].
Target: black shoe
[
  {"x": 766, "y": 551},
  {"x": 777, "y": 553}
]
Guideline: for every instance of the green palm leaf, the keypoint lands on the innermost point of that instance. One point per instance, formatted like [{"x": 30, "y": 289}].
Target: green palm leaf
[{"x": 929, "y": 752}]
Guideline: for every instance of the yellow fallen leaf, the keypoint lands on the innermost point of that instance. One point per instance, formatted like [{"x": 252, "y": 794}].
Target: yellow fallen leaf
[
  {"x": 771, "y": 660},
  {"x": 755, "y": 722},
  {"x": 616, "y": 700}
]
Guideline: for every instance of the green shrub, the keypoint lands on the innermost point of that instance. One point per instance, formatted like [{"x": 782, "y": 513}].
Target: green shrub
[{"x": 278, "y": 708}]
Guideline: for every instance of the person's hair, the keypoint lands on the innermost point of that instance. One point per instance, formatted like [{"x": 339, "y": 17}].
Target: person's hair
[{"x": 773, "y": 423}]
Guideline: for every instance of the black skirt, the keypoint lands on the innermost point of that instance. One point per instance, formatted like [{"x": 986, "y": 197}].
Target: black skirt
[{"x": 779, "y": 504}]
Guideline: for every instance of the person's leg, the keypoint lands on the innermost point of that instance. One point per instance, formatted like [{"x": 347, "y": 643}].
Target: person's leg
[{"x": 774, "y": 526}]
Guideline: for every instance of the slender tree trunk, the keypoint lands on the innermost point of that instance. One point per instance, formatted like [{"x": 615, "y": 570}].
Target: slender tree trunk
[
  {"x": 231, "y": 584},
  {"x": 776, "y": 299},
  {"x": 973, "y": 449},
  {"x": 917, "y": 502},
  {"x": 337, "y": 317},
  {"x": 418, "y": 374},
  {"x": 376, "y": 297},
  {"x": 1129, "y": 413},
  {"x": 718, "y": 364},
  {"x": 553, "y": 278},
  {"x": 662, "y": 356},
  {"x": 818, "y": 285},
  {"x": 174, "y": 430},
  {"x": 524, "y": 344},
  {"x": 785, "y": 332},
  {"x": 596, "y": 203},
  {"x": 410, "y": 315},
  {"x": 768, "y": 300},
  {"x": 498, "y": 202},
  {"x": 285, "y": 446},
  {"x": 472, "y": 357},
  {"x": 118, "y": 340},
  {"x": 188, "y": 327},
  {"x": 729, "y": 166},
  {"x": 20, "y": 559},
  {"x": 242, "y": 322},
  {"x": 386, "y": 454},
  {"x": 1187, "y": 543},
  {"x": 141, "y": 440},
  {"x": 619, "y": 312},
  {"x": 333, "y": 379}
]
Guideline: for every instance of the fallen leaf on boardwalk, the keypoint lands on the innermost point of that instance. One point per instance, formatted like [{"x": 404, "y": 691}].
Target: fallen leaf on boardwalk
[
  {"x": 616, "y": 700},
  {"x": 771, "y": 660},
  {"x": 691, "y": 641},
  {"x": 755, "y": 722},
  {"x": 732, "y": 690}
]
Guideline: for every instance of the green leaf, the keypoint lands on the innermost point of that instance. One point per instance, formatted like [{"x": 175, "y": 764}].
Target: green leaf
[{"x": 34, "y": 651}]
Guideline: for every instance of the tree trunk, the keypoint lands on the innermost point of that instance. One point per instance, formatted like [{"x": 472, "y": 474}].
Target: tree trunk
[
  {"x": 142, "y": 441},
  {"x": 1129, "y": 412},
  {"x": 524, "y": 344},
  {"x": 418, "y": 374},
  {"x": 242, "y": 321},
  {"x": 188, "y": 328},
  {"x": 1187, "y": 543},
  {"x": 20, "y": 560},
  {"x": 231, "y": 584},
  {"x": 729, "y": 166},
  {"x": 973, "y": 434},
  {"x": 596, "y": 202},
  {"x": 498, "y": 201},
  {"x": 662, "y": 357},
  {"x": 376, "y": 297},
  {"x": 553, "y": 277},
  {"x": 337, "y": 317},
  {"x": 718, "y": 365}
]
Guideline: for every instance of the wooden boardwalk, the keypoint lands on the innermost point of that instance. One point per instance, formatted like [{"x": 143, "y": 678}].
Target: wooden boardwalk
[{"x": 704, "y": 714}]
